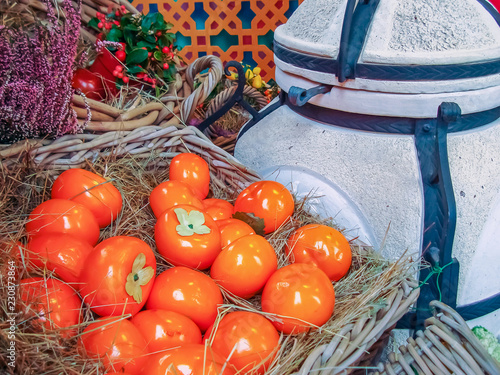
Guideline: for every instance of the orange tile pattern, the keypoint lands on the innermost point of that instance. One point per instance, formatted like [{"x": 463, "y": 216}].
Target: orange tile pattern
[{"x": 232, "y": 30}]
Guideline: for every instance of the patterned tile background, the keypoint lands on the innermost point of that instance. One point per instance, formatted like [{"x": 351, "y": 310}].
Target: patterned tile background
[{"x": 232, "y": 30}]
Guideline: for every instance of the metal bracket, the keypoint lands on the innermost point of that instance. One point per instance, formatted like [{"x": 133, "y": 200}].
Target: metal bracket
[
  {"x": 357, "y": 20},
  {"x": 439, "y": 212},
  {"x": 299, "y": 96}
]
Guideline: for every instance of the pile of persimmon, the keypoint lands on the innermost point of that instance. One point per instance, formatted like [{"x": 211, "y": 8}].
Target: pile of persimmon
[{"x": 149, "y": 323}]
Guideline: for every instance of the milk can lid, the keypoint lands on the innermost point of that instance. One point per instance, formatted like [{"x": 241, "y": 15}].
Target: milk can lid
[{"x": 407, "y": 46}]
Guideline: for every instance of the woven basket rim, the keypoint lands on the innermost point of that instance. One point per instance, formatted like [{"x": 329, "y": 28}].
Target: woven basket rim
[{"x": 446, "y": 345}]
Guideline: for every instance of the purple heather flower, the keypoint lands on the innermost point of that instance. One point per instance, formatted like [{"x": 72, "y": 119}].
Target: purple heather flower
[{"x": 36, "y": 69}]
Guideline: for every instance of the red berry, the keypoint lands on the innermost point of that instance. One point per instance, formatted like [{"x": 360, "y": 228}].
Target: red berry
[
  {"x": 99, "y": 36},
  {"x": 144, "y": 48},
  {"x": 100, "y": 25},
  {"x": 150, "y": 54},
  {"x": 115, "y": 73},
  {"x": 125, "y": 79},
  {"x": 116, "y": 23},
  {"x": 153, "y": 85},
  {"x": 98, "y": 14},
  {"x": 158, "y": 33},
  {"x": 119, "y": 68},
  {"x": 108, "y": 25},
  {"x": 165, "y": 66},
  {"x": 165, "y": 49},
  {"x": 117, "y": 13},
  {"x": 121, "y": 55},
  {"x": 123, "y": 8},
  {"x": 120, "y": 75}
]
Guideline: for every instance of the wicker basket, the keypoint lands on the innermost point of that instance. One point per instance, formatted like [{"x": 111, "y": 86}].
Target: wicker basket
[
  {"x": 447, "y": 346},
  {"x": 361, "y": 342},
  {"x": 154, "y": 143}
]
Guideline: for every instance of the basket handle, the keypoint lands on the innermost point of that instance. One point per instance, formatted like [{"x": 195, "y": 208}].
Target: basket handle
[{"x": 198, "y": 96}]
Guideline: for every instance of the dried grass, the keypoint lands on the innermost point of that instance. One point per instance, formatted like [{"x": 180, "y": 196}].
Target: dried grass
[
  {"x": 231, "y": 122},
  {"x": 365, "y": 289}
]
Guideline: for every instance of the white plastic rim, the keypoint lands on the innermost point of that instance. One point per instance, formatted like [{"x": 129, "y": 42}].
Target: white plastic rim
[
  {"x": 386, "y": 102},
  {"x": 326, "y": 200}
]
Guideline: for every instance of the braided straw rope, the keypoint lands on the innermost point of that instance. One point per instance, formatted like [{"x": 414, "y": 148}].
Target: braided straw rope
[
  {"x": 209, "y": 81},
  {"x": 447, "y": 346},
  {"x": 349, "y": 348}
]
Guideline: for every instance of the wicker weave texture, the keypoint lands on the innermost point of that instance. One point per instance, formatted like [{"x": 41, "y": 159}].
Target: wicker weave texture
[
  {"x": 355, "y": 343},
  {"x": 446, "y": 346}
]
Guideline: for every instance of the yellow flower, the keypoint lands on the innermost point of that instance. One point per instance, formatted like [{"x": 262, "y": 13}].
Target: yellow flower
[
  {"x": 257, "y": 82},
  {"x": 233, "y": 76},
  {"x": 249, "y": 74},
  {"x": 138, "y": 277},
  {"x": 256, "y": 70}
]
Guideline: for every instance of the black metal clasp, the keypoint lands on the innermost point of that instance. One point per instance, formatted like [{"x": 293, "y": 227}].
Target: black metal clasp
[
  {"x": 357, "y": 20},
  {"x": 299, "y": 96},
  {"x": 441, "y": 280}
]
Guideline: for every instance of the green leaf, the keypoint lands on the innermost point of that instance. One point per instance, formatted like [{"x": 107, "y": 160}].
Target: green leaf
[
  {"x": 127, "y": 20},
  {"x": 150, "y": 39},
  {"x": 150, "y": 19},
  {"x": 148, "y": 45},
  {"x": 128, "y": 48},
  {"x": 257, "y": 223},
  {"x": 131, "y": 27},
  {"x": 163, "y": 41},
  {"x": 170, "y": 38},
  {"x": 158, "y": 56},
  {"x": 169, "y": 25},
  {"x": 160, "y": 24},
  {"x": 135, "y": 69},
  {"x": 114, "y": 35},
  {"x": 167, "y": 75},
  {"x": 136, "y": 56},
  {"x": 93, "y": 23},
  {"x": 129, "y": 37}
]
